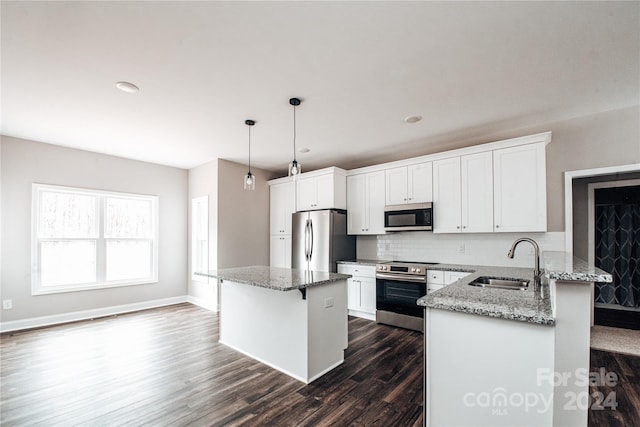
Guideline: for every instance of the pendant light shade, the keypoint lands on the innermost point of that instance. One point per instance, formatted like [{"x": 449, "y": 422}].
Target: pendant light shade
[
  {"x": 249, "y": 178},
  {"x": 294, "y": 166}
]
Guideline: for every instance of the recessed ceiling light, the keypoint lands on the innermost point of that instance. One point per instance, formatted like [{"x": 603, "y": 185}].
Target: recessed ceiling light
[
  {"x": 304, "y": 150},
  {"x": 412, "y": 119},
  {"x": 127, "y": 87}
]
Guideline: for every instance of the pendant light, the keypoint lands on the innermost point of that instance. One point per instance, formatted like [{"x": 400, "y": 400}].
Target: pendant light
[
  {"x": 294, "y": 166},
  {"x": 249, "y": 178}
]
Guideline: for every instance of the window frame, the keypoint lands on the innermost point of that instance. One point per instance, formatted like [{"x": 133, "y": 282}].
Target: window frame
[
  {"x": 199, "y": 237},
  {"x": 101, "y": 241}
]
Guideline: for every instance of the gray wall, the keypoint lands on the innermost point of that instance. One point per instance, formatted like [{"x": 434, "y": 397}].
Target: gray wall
[
  {"x": 596, "y": 141},
  {"x": 25, "y": 162},
  {"x": 238, "y": 221},
  {"x": 243, "y": 217}
]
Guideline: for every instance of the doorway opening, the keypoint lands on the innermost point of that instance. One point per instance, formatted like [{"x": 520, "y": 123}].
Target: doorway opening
[{"x": 614, "y": 246}]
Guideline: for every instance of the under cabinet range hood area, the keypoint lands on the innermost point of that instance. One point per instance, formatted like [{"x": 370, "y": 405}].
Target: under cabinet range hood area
[{"x": 409, "y": 217}]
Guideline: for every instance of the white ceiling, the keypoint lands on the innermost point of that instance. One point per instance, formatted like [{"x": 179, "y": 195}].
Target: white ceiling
[{"x": 360, "y": 68}]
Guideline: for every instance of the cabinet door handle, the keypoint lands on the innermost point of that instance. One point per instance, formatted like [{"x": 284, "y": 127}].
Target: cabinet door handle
[
  {"x": 458, "y": 227},
  {"x": 497, "y": 226}
]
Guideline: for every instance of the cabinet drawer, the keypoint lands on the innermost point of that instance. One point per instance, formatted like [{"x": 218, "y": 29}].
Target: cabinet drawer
[
  {"x": 368, "y": 271},
  {"x": 432, "y": 288},
  {"x": 435, "y": 277},
  {"x": 452, "y": 276}
]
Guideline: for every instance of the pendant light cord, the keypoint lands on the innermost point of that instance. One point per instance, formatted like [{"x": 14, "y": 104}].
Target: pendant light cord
[
  {"x": 249, "y": 149},
  {"x": 294, "y": 132}
]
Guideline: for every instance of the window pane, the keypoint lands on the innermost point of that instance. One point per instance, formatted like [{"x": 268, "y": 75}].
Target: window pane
[
  {"x": 67, "y": 215},
  {"x": 67, "y": 262},
  {"x": 127, "y": 218},
  {"x": 127, "y": 259}
]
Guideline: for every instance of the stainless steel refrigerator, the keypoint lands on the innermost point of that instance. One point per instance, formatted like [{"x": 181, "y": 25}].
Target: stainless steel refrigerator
[{"x": 320, "y": 240}]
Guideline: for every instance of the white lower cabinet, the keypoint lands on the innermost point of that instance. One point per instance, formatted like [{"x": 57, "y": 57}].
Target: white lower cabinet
[
  {"x": 438, "y": 279},
  {"x": 280, "y": 251},
  {"x": 361, "y": 290}
]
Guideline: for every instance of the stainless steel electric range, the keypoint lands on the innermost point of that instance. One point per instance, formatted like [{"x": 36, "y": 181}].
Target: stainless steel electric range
[{"x": 398, "y": 287}]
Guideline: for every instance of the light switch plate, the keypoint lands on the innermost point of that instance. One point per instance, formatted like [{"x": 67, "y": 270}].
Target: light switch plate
[
  {"x": 7, "y": 304},
  {"x": 329, "y": 302}
]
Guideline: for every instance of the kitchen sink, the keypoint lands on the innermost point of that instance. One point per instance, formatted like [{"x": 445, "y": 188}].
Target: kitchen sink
[{"x": 501, "y": 283}]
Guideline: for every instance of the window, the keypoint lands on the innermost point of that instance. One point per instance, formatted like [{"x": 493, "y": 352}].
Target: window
[
  {"x": 88, "y": 239},
  {"x": 199, "y": 238}
]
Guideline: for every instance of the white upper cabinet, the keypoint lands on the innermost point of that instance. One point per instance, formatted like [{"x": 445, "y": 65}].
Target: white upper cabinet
[
  {"x": 365, "y": 203},
  {"x": 447, "y": 205},
  {"x": 477, "y": 192},
  {"x": 396, "y": 186},
  {"x": 409, "y": 184},
  {"x": 321, "y": 191},
  {"x": 520, "y": 201},
  {"x": 282, "y": 202},
  {"x": 419, "y": 183}
]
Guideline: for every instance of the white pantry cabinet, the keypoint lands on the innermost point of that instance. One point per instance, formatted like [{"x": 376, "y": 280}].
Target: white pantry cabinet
[
  {"x": 520, "y": 196},
  {"x": 365, "y": 203},
  {"x": 280, "y": 251},
  {"x": 361, "y": 290},
  {"x": 409, "y": 184},
  {"x": 324, "y": 189},
  {"x": 282, "y": 203}
]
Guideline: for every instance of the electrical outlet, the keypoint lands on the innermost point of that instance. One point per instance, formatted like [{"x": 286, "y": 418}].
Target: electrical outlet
[
  {"x": 462, "y": 248},
  {"x": 328, "y": 302},
  {"x": 7, "y": 304}
]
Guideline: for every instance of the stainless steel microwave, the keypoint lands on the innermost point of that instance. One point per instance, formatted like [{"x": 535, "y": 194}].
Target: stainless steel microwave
[{"x": 411, "y": 217}]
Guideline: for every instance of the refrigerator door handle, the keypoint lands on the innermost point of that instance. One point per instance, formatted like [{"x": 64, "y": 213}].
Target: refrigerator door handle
[
  {"x": 311, "y": 245},
  {"x": 306, "y": 240}
]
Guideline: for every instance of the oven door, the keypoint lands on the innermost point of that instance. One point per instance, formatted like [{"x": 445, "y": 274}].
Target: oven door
[{"x": 400, "y": 296}]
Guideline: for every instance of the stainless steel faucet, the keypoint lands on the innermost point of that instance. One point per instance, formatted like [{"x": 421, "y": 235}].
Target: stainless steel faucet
[{"x": 536, "y": 270}]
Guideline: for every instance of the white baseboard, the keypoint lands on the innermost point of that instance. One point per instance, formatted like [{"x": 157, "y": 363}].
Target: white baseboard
[
  {"x": 38, "y": 322},
  {"x": 202, "y": 302},
  {"x": 362, "y": 315}
]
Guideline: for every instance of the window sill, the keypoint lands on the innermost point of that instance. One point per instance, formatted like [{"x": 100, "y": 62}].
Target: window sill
[{"x": 89, "y": 287}]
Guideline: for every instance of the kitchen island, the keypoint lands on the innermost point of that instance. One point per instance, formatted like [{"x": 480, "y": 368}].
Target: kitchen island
[
  {"x": 504, "y": 357},
  {"x": 292, "y": 320}
]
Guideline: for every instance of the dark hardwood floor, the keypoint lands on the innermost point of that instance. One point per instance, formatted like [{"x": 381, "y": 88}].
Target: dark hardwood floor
[{"x": 164, "y": 367}]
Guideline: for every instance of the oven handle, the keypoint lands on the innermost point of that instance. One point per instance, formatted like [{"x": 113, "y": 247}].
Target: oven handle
[{"x": 401, "y": 278}]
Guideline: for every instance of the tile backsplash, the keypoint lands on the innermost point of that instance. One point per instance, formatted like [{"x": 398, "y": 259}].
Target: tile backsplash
[{"x": 471, "y": 249}]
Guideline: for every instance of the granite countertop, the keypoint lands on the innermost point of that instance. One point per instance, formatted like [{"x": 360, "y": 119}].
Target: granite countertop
[
  {"x": 363, "y": 261},
  {"x": 567, "y": 268},
  {"x": 526, "y": 306},
  {"x": 280, "y": 279}
]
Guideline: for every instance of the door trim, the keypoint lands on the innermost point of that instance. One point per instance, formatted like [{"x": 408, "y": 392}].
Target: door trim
[{"x": 569, "y": 176}]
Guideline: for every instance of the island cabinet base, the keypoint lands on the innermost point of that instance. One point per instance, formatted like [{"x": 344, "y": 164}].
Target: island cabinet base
[
  {"x": 303, "y": 338},
  {"x": 484, "y": 371}
]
